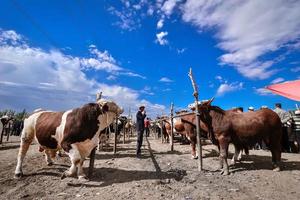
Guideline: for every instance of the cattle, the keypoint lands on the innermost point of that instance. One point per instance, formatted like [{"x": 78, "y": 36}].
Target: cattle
[
  {"x": 128, "y": 128},
  {"x": 4, "y": 121},
  {"x": 104, "y": 134},
  {"x": 75, "y": 131},
  {"x": 242, "y": 129}
]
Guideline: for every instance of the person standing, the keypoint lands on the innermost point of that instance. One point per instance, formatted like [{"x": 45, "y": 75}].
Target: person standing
[
  {"x": 296, "y": 128},
  {"x": 147, "y": 125},
  {"x": 140, "y": 117},
  {"x": 285, "y": 118}
]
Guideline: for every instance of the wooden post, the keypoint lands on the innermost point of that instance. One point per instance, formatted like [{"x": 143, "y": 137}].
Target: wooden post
[
  {"x": 172, "y": 127},
  {"x": 161, "y": 131},
  {"x": 92, "y": 161},
  {"x": 93, "y": 152},
  {"x": 199, "y": 145},
  {"x": 8, "y": 130},
  {"x": 115, "y": 140},
  {"x": 2, "y": 132},
  {"x": 124, "y": 131}
]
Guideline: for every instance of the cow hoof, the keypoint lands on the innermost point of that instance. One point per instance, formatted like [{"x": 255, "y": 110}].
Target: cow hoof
[
  {"x": 224, "y": 172},
  {"x": 276, "y": 169},
  {"x": 63, "y": 176},
  {"x": 50, "y": 163},
  {"x": 83, "y": 178},
  {"x": 18, "y": 175},
  {"x": 195, "y": 157}
]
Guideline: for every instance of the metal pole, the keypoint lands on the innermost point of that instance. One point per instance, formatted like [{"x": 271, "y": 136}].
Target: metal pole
[
  {"x": 172, "y": 127},
  {"x": 115, "y": 141},
  {"x": 199, "y": 145}
]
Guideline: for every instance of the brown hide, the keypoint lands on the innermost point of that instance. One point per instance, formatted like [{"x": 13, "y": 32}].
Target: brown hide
[
  {"x": 46, "y": 125},
  {"x": 179, "y": 127},
  {"x": 82, "y": 123}
]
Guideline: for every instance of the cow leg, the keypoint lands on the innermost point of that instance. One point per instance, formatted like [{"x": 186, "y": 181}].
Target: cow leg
[
  {"x": 239, "y": 157},
  {"x": 26, "y": 139},
  {"x": 80, "y": 172},
  {"x": 275, "y": 147},
  {"x": 49, "y": 155},
  {"x": 236, "y": 155},
  {"x": 224, "y": 143},
  {"x": 193, "y": 145},
  {"x": 75, "y": 158}
]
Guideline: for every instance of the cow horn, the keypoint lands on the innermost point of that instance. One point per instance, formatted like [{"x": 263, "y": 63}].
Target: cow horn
[{"x": 211, "y": 100}]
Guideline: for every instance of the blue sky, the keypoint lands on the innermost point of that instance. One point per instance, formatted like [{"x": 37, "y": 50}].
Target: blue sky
[{"x": 58, "y": 54}]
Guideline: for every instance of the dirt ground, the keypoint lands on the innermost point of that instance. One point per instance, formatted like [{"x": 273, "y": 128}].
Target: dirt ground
[{"x": 159, "y": 174}]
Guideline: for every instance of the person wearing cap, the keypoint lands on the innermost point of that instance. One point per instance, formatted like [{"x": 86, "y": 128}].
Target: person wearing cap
[
  {"x": 251, "y": 109},
  {"x": 140, "y": 117},
  {"x": 285, "y": 118}
]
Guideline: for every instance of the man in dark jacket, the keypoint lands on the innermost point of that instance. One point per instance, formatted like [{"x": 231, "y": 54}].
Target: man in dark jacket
[{"x": 140, "y": 117}]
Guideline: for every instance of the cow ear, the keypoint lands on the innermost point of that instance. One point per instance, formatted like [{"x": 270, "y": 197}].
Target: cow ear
[{"x": 105, "y": 107}]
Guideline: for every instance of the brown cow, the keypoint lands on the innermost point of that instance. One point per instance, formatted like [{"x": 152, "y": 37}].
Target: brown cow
[
  {"x": 76, "y": 131},
  {"x": 242, "y": 129}
]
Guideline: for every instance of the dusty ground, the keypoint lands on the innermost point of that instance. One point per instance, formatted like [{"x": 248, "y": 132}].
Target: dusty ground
[{"x": 160, "y": 174}]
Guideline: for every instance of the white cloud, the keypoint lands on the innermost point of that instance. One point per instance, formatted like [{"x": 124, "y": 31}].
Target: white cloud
[
  {"x": 147, "y": 91},
  {"x": 10, "y": 37},
  {"x": 130, "y": 14},
  {"x": 295, "y": 69},
  {"x": 219, "y": 78},
  {"x": 277, "y": 80},
  {"x": 130, "y": 99},
  {"x": 169, "y": 6},
  {"x": 167, "y": 90},
  {"x": 160, "y": 24},
  {"x": 262, "y": 91},
  {"x": 102, "y": 61},
  {"x": 181, "y": 51},
  {"x": 111, "y": 77},
  {"x": 132, "y": 75},
  {"x": 166, "y": 80},
  {"x": 225, "y": 88},
  {"x": 247, "y": 30},
  {"x": 32, "y": 77},
  {"x": 160, "y": 38}
]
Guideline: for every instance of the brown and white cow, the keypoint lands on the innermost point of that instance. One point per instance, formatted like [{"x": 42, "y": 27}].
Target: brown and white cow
[{"x": 75, "y": 131}]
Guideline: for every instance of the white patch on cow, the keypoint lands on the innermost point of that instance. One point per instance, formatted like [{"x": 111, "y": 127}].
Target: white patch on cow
[
  {"x": 59, "y": 133},
  {"x": 188, "y": 137},
  {"x": 176, "y": 121}
]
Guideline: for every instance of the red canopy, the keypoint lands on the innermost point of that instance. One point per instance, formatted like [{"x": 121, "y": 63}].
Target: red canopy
[{"x": 290, "y": 89}]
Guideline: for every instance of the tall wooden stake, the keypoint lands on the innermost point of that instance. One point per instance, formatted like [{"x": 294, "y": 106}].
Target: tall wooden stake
[
  {"x": 124, "y": 131},
  {"x": 199, "y": 145},
  {"x": 115, "y": 141},
  {"x": 172, "y": 127},
  {"x": 92, "y": 161},
  {"x": 93, "y": 152}
]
